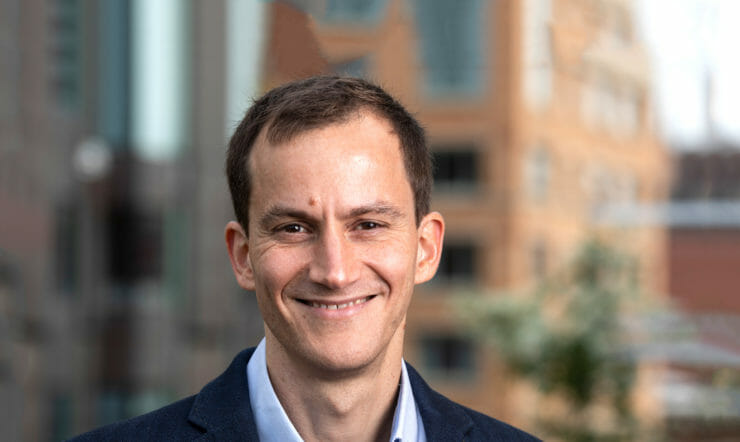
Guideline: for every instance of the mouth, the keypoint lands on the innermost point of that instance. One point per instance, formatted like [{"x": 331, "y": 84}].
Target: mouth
[{"x": 334, "y": 305}]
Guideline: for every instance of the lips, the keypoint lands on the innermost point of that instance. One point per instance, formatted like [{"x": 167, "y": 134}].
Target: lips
[{"x": 336, "y": 306}]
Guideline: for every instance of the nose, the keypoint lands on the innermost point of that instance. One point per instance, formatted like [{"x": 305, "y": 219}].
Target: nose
[{"x": 333, "y": 265}]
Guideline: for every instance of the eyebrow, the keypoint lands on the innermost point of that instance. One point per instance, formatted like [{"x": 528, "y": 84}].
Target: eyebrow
[
  {"x": 277, "y": 212},
  {"x": 380, "y": 207}
]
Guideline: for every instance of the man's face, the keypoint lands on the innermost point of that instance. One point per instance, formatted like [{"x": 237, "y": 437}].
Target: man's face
[{"x": 333, "y": 250}]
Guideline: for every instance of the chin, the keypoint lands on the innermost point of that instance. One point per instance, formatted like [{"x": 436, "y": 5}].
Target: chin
[{"x": 347, "y": 359}]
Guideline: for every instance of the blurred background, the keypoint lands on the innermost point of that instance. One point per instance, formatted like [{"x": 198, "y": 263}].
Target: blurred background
[{"x": 587, "y": 164}]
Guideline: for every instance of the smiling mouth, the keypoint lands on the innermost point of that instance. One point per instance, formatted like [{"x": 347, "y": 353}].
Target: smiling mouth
[{"x": 335, "y": 306}]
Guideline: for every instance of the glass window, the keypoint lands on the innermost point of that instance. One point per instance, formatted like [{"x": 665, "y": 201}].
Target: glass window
[
  {"x": 537, "y": 174},
  {"x": 354, "y": 10},
  {"x": 111, "y": 407},
  {"x": 538, "y": 260},
  {"x": 160, "y": 82},
  {"x": 177, "y": 234},
  {"x": 457, "y": 265},
  {"x": 118, "y": 404},
  {"x": 11, "y": 75},
  {"x": 61, "y": 416},
  {"x": 455, "y": 170},
  {"x": 135, "y": 245},
  {"x": 451, "y": 38},
  {"x": 66, "y": 240},
  {"x": 356, "y": 67},
  {"x": 147, "y": 400},
  {"x": 66, "y": 62},
  {"x": 537, "y": 53},
  {"x": 607, "y": 104},
  {"x": 247, "y": 27},
  {"x": 448, "y": 355},
  {"x": 113, "y": 69}
]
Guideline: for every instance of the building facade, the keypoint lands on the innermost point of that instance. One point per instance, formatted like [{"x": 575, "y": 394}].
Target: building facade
[
  {"x": 703, "y": 222},
  {"x": 116, "y": 294}
]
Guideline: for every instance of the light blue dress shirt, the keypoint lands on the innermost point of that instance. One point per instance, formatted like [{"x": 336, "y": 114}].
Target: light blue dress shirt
[{"x": 273, "y": 424}]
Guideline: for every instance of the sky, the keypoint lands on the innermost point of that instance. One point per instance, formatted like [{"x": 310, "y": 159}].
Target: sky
[{"x": 688, "y": 41}]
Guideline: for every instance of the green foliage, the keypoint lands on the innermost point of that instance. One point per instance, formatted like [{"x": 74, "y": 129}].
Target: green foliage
[{"x": 565, "y": 336}]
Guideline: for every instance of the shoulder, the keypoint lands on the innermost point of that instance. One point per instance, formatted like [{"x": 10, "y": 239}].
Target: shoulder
[
  {"x": 490, "y": 429},
  {"x": 166, "y": 423},
  {"x": 447, "y": 420},
  {"x": 221, "y": 407}
]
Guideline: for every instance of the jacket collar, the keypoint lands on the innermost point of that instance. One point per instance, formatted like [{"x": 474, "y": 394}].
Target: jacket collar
[
  {"x": 222, "y": 407},
  {"x": 443, "y": 419},
  {"x": 223, "y": 410}
]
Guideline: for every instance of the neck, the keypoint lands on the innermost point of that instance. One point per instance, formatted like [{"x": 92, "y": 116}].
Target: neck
[{"x": 326, "y": 405}]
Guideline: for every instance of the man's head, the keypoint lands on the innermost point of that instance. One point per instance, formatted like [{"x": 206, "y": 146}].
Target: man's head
[
  {"x": 294, "y": 108},
  {"x": 336, "y": 230}
]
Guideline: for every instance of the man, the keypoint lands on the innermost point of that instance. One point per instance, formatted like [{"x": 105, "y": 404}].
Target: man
[{"x": 330, "y": 180}]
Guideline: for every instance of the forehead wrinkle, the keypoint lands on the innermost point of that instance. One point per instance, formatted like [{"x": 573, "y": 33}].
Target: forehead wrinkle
[{"x": 380, "y": 207}]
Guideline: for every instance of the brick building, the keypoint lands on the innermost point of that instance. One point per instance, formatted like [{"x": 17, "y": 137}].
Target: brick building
[{"x": 703, "y": 225}]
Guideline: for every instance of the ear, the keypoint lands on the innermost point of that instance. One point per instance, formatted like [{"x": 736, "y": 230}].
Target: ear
[
  {"x": 431, "y": 236},
  {"x": 238, "y": 246}
]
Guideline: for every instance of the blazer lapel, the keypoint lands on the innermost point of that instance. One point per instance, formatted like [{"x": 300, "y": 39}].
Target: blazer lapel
[
  {"x": 443, "y": 419},
  {"x": 222, "y": 407}
]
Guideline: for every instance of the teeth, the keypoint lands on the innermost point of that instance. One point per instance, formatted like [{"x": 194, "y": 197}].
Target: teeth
[{"x": 339, "y": 306}]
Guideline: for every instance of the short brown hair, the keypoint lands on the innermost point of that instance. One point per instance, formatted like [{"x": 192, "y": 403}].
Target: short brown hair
[{"x": 293, "y": 108}]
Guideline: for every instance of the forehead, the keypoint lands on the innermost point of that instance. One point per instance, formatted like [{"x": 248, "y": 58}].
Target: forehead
[
  {"x": 361, "y": 155},
  {"x": 364, "y": 130}
]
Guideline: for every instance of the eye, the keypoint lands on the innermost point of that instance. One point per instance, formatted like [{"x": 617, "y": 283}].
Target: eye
[
  {"x": 368, "y": 225},
  {"x": 292, "y": 228}
]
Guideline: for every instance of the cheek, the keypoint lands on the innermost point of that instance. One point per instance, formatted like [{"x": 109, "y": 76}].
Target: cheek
[
  {"x": 276, "y": 267},
  {"x": 395, "y": 261}
]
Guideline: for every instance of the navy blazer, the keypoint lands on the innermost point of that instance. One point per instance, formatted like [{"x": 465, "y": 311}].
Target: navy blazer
[{"x": 222, "y": 412}]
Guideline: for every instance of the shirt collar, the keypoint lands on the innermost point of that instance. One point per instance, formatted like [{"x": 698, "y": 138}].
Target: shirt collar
[
  {"x": 407, "y": 425},
  {"x": 274, "y": 425}
]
